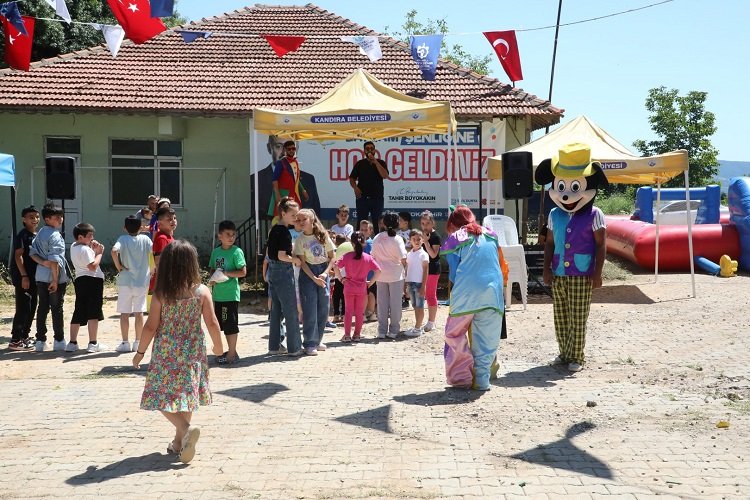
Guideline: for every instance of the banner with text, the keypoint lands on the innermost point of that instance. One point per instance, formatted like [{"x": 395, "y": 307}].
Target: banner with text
[{"x": 417, "y": 166}]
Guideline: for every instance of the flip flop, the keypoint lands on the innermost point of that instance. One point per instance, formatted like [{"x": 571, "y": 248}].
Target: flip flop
[{"x": 188, "y": 444}]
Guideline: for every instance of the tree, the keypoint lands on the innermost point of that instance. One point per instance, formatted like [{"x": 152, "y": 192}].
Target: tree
[
  {"x": 455, "y": 54},
  {"x": 682, "y": 122},
  {"x": 52, "y": 38}
]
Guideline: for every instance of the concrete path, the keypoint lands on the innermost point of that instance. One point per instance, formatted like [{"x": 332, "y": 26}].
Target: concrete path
[{"x": 375, "y": 420}]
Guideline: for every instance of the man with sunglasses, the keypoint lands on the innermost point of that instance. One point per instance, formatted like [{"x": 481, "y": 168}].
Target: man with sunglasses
[{"x": 366, "y": 179}]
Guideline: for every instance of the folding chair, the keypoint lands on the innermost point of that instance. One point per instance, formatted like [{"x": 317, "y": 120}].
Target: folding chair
[{"x": 507, "y": 232}]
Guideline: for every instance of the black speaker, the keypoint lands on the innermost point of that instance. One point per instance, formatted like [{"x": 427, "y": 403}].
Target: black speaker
[
  {"x": 518, "y": 175},
  {"x": 61, "y": 178}
]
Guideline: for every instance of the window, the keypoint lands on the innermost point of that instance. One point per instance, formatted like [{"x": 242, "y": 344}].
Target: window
[
  {"x": 63, "y": 146},
  {"x": 143, "y": 167}
]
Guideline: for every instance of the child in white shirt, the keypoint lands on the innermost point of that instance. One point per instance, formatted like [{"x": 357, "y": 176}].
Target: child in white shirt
[
  {"x": 86, "y": 254},
  {"x": 416, "y": 280},
  {"x": 342, "y": 227}
]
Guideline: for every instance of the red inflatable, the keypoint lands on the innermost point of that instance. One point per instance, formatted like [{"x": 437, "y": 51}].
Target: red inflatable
[{"x": 636, "y": 242}]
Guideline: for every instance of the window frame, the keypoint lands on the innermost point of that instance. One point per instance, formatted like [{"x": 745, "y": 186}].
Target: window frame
[{"x": 156, "y": 169}]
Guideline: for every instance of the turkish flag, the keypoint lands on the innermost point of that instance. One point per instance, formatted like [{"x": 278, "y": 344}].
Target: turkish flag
[
  {"x": 282, "y": 44},
  {"x": 506, "y": 48},
  {"x": 135, "y": 18},
  {"x": 17, "y": 45}
]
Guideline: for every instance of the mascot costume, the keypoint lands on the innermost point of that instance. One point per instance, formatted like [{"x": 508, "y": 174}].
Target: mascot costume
[{"x": 575, "y": 248}]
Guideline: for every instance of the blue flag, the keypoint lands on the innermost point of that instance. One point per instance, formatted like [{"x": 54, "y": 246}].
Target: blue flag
[
  {"x": 162, "y": 8},
  {"x": 10, "y": 12},
  {"x": 425, "y": 50},
  {"x": 191, "y": 36}
]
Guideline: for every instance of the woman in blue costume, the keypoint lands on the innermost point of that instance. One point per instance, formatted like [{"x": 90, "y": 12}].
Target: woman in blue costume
[{"x": 476, "y": 299}]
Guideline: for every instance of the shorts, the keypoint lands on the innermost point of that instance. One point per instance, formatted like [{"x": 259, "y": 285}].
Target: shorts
[
  {"x": 131, "y": 299},
  {"x": 228, "y": 315},
  {"x": 417, "y": 300},
  {"x": 373, "y": 289},
  {"x": 89, "y": 298}
]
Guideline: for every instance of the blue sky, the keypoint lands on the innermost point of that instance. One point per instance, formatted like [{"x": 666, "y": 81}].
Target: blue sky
[{"x": 604, "y": 68}]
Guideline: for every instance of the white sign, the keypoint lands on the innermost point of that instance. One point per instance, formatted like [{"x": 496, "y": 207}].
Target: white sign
[{"x": 418, "y": 170}]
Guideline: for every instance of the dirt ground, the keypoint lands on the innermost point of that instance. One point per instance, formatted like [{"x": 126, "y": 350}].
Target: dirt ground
[{"x": 663, "y": 369}]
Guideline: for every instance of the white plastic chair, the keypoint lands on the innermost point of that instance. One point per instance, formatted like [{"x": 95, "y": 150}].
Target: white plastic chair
[{"x": 506, "y": 230}]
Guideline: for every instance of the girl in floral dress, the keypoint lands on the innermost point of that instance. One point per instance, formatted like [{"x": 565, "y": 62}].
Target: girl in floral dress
[{"x": 177, "y": 378}]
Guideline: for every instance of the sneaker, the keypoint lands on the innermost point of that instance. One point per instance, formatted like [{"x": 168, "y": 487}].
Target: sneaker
[
  {"x": 322, "y": 347},
  {"x": 356, "y": 338},
  {"x": 29, "y": 343},
  {"x": 123, "y": 346},
  {"x": 136, "y": 343},
  {"x": 369, "y": 316},
  {"x": 71, "y": 347},
  {"x": 58, "y": 345},
  {"x": 575, "y": 367},
  {"x": 296, "y": 353},
  {"x": 405, "y": 304},
  {"x": 280, "y": 350},
  {"x": 558, "y": 361},
  {"x": 311, "y": 351},
  {"x": 414, "y": 332},
  {"x": 331, "y": 324},
  {"x": 18, "y": 345},
  {"x": 429, "y": 326},
  {"x": 39, "y": 346},
  {"x": 96, "y": 347},
  {"x": 391, "y": 336},
  {"x": 346, "y": 338}
]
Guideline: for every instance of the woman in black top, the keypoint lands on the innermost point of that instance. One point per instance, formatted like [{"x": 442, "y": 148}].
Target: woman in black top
[
  {"x": 432, "y": 247},
  {"x": 281, "y": 279}
]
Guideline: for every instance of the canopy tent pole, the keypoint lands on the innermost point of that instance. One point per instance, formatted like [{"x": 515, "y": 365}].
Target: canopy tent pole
[
  {"x": 254, "y": 163},
  {"x": 658, "y": 209},
  {"x": 690, "y": 230},
  {"x": 481, "y": 177},
  {"x": 450, "y": 173},
  {"x": 13, "y": 224},
  {"x": 459, "y": 162}
]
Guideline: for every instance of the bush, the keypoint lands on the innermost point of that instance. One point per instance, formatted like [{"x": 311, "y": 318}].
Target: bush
[{"x": 615, "y": 204}]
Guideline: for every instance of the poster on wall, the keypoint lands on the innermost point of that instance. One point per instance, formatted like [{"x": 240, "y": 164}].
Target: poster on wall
[{"x": 418, "y": 170}]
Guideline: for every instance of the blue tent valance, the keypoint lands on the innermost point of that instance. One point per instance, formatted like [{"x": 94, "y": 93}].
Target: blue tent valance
[{"x": 7, "y": 170}]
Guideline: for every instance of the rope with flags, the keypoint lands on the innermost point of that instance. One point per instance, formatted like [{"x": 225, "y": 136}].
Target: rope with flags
[{"x": 139, "y": 21}]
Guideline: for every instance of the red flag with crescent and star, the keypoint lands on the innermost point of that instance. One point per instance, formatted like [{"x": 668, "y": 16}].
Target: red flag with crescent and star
[
  {"x": 282, "y": 44},
  {"x": 135, "y": 18},
  {"x": 18, "y": 45},
  {"x": 506, "y": 48}
]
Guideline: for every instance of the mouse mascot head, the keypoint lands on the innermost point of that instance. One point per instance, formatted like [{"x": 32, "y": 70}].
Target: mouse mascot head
[{"x": 575, "y": 178}]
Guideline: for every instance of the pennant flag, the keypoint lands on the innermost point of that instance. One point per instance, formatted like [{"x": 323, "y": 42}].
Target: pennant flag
[
  {"x": 162, "y": 8},
  {"x": 425, "y": 50},
  {"x": 283, "y": 44},
  {"x": 10, "y": 12},
  {"x": 191, "y": 36},
  {"x": 368, "y": 46},
  {"x": 135, "y": 18},
  {"x": 506, "y": 48},
  {"x": 18, "y": 45},
  {"x": 113, "y": 35},
  {"x": 61, "y": 9}
]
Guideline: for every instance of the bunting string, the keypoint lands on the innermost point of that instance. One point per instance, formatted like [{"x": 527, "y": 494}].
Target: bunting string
[{"x": 337, "y": 37}]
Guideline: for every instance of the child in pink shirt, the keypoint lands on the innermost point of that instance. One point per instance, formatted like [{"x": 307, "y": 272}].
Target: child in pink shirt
[{"x": 356, "y": 265}]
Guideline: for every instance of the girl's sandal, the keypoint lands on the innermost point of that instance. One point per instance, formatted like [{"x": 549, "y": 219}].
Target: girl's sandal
[
  {"x": 346, "y": 338},
  {"x": 172, "y": 449}
]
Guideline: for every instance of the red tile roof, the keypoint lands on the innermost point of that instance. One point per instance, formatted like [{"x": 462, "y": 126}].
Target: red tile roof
[{"x": 229, "y": 74}]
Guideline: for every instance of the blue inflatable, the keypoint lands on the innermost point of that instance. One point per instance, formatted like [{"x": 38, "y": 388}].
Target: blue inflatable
[
  {"x": 708, "y": 211},
  {"x": 739, "y": 213}
]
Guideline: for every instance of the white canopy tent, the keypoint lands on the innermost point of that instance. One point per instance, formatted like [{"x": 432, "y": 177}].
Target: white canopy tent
[
  {"x": 360, "y": 107},
  {"x": 619, "y": 163}
]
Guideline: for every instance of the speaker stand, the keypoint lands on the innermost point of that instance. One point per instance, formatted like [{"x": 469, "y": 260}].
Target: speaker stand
[
  {"x": 518, "y": 221},
  {"x": 62, "y": 229}
]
